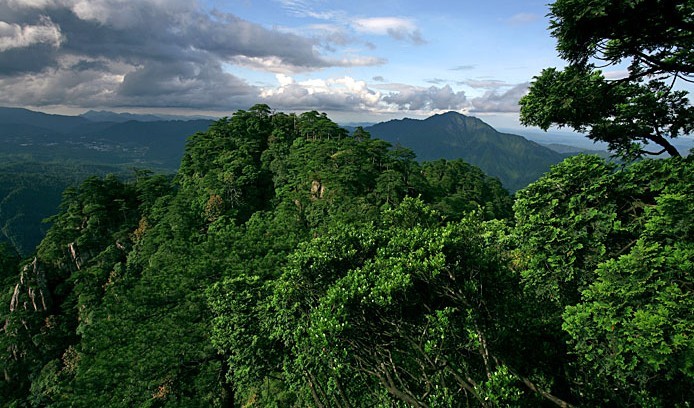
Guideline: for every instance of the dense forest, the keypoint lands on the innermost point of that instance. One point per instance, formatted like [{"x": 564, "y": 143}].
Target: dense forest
[{"x": 290, "y": 263}]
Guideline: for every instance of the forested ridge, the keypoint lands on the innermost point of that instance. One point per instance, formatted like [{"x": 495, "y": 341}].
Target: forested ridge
[{"x": 289, "y": 263}]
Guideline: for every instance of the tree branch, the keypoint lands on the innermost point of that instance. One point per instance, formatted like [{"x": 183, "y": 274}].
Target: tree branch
[
  {"x": 660, "y": 140},
  {"x": 557, "y": 401}
]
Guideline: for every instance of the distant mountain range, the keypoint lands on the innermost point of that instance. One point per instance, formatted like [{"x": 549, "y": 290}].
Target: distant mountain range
[
  {"x": 157, "y": 142},
  {"x": 515, "y": 160},
  {"x": 41, "y": 154},
  {"x": 107, "y": 116},
  {"x": 98, "y": 137}
]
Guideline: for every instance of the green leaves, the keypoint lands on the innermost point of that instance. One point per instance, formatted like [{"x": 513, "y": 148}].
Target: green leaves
[
  {"x": 325, "y": 283},
  {"x": 366, "y": 304},
  {"x": 612, "y": 250},
  {"x": 573, "y": 97},
  {"x": 630, "y": 113},
  {"x": 634, "y": 327}
]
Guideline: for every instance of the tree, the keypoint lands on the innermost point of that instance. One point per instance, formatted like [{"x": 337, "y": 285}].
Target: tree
[
  {"x": 643, "y": 108},
  {"x": 633, "y": 330},
  {"x": 605, "y": 257},
  {"x": 56, "y": 294},
  {"x": 456, "y": 188},
  {"x": 404, "y": 311}
]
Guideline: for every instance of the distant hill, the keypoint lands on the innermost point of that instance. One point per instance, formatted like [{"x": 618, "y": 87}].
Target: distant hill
[
  {"x": 20, "y": 116},
  {"x": 107, "y": 116},
  {"x": 42, "y": 154},
  {"x": 515, "y": 160},
  {"x": 155, "y": 142},
  {"x": 152, "y": 144},
  {"x": 571, "y": 150}
]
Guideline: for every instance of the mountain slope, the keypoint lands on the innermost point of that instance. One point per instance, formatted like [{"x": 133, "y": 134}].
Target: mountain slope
[
  {"x": 42, "y": 154},
  {"x": 152, "y": 144},
  {"x": 515, "y": 160},
  {"x": 107, "y": 116},
  {"x": 59, "y": 123}
]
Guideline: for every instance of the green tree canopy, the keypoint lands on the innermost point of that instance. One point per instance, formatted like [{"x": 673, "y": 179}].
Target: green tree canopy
[
  {"x": 605, "y": 257},
  {"x": 654, "y": 39}
]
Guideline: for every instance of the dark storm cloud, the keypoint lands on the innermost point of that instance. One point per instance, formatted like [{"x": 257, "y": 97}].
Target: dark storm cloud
[
  {"x": 30, "y": 59},
  {"x": 138, "y": 53}
]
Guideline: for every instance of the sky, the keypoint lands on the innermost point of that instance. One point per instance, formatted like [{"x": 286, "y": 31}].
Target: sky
[{"x": 357, "y": 60}]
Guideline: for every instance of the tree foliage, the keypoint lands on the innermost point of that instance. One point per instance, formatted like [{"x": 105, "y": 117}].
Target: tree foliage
[
  {"x": 289, "y": 263},
  {"x": 374, "y": 313},
  {"x": 645, "y": 107},
  {"x": 607, "y": 255}
]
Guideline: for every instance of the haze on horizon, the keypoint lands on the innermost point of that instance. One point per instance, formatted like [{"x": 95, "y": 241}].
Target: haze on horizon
[{"x": 358, "y": 61}]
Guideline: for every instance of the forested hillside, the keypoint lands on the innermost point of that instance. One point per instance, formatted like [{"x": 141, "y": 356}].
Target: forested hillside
[
  {"x": 291, "y": 264},
  {"x": 31, "y": 191},
  {"x": 43, "y": 154},
  {"x": 143, "y": 143},
  {"x": 515, "y": 160}
]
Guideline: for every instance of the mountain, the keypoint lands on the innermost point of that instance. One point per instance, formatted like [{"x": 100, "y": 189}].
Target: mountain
[
  {"x": 25, "y": 117},
  {"x": 107, "y": 116},
  {"x": 42, "y": 154},
  {"x": 515, "y": 160},
  {"x": 151, "y": 144}
]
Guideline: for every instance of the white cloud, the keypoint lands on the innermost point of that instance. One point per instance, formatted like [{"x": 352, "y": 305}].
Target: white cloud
[
  {"x": 20, "y": 36},
  {"x": 463, "y": 67},
  {"x": 309, "y": 8},
  {"x": 398, "y": 28},
  {"x": 278, "y": 65},
  {"x": 613, "y": 75},
  {"x": 339, "y": 94},
  {"x": 523, "y": 18},
  {"x": 163, "y": 53},
  {"x": 101, "y": 82},
  {"x": 415, "y": 98},
  {"x": 484, "y": 83},
  {"x": 348, "y": 94},
  {"x": 19, "y": 4},
  {"x": 499, "y": 102}
]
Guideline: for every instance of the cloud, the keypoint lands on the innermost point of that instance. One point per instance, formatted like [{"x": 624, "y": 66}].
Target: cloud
[
  {"x": 308, "y": 8},
  {"x": 17, "y": 4},
  {"x": 436, "y": 81},
  {"x": 335, "y": 94},
  {"x": 401, "y": 29},
  {"x": 495, "y": 101},
  {"x": 414, "y": 98},
  {"x": 277, "y": 65},
  {"x": 523, "y": 18},
  {"x": 142, "y": 53},
  {"x": 484, "y": 83},
  {"x": 20, "y": 36},
  {"x": 463, "y": 68},
  {"x": 378, "y": 78},
  {"x": 104, "y": 83},
  {"x": 614, "y": 75},
  {"x": 349, "y": 94}
]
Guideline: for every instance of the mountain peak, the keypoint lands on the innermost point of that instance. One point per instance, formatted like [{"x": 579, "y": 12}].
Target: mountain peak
[
  {"x": 456, "y": 122},
  {"x": 452, "y": 135}
]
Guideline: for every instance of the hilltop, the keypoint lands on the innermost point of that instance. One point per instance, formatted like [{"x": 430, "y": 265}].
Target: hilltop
[{"x": 515, "y": 160}]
